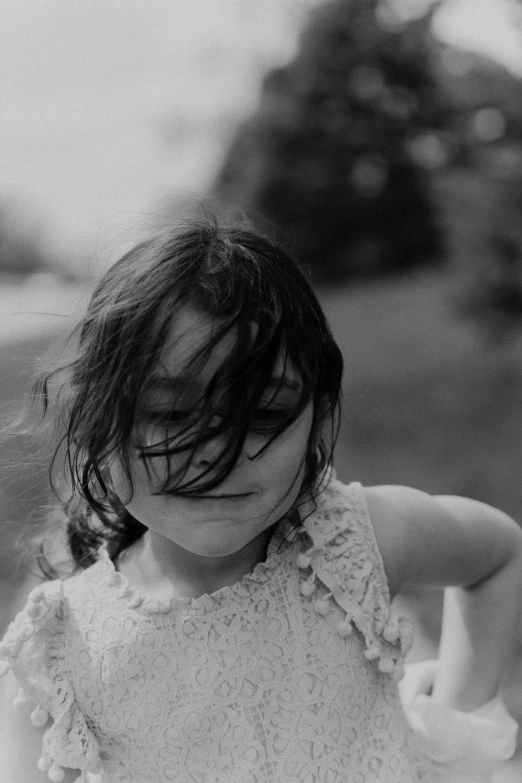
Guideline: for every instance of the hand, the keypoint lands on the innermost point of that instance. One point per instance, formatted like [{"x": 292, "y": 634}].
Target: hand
[
  {"x": 462, "y": 747},
  {"x": 419, "y": 678}
]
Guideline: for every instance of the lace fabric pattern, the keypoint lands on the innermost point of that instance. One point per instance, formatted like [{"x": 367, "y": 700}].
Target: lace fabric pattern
[
  {"x": 36, "y": 647},
  {"x": 261, "y": 682}
]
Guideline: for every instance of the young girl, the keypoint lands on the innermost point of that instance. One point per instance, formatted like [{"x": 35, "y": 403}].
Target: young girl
[{"x": 228, "y": 616}]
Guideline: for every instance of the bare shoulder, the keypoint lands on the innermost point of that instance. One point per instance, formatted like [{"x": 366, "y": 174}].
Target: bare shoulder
[
  {"x": 437, "y": 540},
  {"x": 392, "y": 509}
]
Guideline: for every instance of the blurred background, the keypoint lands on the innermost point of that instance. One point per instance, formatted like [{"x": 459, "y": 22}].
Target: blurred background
[{"x": 380, "y": 140}]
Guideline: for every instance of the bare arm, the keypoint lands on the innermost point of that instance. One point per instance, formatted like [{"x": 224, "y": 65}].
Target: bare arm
[
  {"x": 21, "y": 743},
  {"x": 476, "y": 551}
]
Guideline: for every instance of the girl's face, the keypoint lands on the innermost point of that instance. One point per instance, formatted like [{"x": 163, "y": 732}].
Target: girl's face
[{"x": 259, "y": 490}]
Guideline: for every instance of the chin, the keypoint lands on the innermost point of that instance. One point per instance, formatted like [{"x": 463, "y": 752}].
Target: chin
[
  {"x": 220, "y": 553},
  {"x": 219, "y": 549},
  {"x": 213, "y": 551}
]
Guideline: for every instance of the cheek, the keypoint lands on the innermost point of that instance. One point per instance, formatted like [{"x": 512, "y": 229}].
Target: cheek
[
  {"x": 119, "y": 480},
  {"x": 145, "y": 476},
  {"x": 289, "y": 450},
  {"x": 299, "y": 435},
  {"x": 124, "y": 488}
]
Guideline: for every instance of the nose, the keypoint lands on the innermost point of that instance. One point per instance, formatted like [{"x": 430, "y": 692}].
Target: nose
[{"x": 209, "y": 451}]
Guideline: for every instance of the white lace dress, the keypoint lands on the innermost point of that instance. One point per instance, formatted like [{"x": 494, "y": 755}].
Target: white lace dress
[{"x": 288, "y": 676}]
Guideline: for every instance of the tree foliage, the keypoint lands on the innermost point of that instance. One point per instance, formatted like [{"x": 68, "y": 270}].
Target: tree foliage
[
  {"x": 380, "y": 149},
  {"x": 334, "y": 162},
  {"x": 481, "y": 188}
]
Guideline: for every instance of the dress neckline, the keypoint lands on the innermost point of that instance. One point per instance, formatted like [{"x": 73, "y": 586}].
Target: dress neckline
[{"x": 281, "y": 543}]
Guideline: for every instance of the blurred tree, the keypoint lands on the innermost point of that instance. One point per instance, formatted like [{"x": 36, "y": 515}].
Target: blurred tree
[
  {"x": 338, "y": 158},
  {"x": 481, "y": 189}
]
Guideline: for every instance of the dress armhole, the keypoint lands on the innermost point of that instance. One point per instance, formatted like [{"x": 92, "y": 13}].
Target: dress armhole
[
  {"x": 346, "y": 558},
  {"x": 368, "y": 530}
]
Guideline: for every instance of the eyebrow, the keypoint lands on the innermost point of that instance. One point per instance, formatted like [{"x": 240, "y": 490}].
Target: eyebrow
[
  {"x": 173, "y": 382},
  {"x": 181, "y": 383}
]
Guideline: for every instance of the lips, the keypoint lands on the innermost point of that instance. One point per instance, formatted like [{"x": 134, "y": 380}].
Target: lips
[
  {"x": 225, "y": 497},
  {"x": 220, "y": 496}
]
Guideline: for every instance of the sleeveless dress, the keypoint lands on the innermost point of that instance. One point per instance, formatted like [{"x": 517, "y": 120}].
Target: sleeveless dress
[{"x": 289, "y": 676}]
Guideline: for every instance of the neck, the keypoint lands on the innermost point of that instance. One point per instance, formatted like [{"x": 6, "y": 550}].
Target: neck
[{"x": 156, "y": 565}]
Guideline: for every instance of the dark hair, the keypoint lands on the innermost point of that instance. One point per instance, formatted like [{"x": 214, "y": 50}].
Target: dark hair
[{"x": 233, "y": 275}]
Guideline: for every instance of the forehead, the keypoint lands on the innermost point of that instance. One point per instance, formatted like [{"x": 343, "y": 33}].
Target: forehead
[{"x": 189, "y": 333}]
